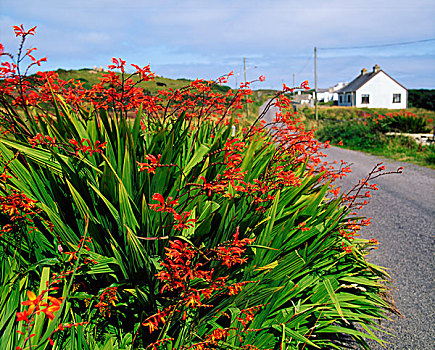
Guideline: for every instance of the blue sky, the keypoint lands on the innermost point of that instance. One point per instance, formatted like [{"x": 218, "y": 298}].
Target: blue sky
[{"x": 209, "y": 38}]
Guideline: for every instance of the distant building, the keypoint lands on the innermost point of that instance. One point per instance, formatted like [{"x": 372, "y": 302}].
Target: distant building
[
  {"x": 374, "y": 90},
  {"x": 330, "y": 94},
  {"x": 324, "y": 95},
  {"x": 302, "y": 99}
]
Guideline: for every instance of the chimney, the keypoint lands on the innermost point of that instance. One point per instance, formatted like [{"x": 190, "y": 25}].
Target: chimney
[
  {"x": 376, "y": 68},
  {"x": 363, "y": 71}
]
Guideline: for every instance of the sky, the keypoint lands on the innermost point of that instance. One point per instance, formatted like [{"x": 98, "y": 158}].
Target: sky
[{"x": 209, "y": 38}]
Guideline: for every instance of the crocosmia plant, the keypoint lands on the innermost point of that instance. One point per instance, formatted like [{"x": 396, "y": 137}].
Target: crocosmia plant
[{"x": 138, "y": 221}]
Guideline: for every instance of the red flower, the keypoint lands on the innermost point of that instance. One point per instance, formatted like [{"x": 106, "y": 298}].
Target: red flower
[
  {"x": 22, "y": 316},
  {"x": 162, "y": 206},
  {"x": 285, "y": 88},
  {"x": 152, "y": 165},
  {"x": 182, "y": 222},
  {"x": 19, "y": 31},
  {"x": 262, "y": 78},
  {"x": 117, "y": 64},
  {"x": 28, "y": 51},
  {"x": 304, "y": 85},
  {"x": 82, "y": 147}
]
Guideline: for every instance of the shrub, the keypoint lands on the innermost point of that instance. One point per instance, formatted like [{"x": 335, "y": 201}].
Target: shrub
[
  {"x": 140, "y": 222},
  {"x": 404, "y": 122},
  {"x": 353, "y": 134},
  {"x": 422, "y": 98}
]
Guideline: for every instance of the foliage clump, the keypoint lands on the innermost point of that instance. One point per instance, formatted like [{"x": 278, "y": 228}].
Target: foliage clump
[
  {"x": 422, "y": 98},
  {"x": 133, "y": 221}
]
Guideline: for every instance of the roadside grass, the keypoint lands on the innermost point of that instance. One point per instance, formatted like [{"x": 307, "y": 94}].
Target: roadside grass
[
  {"x": 346, "y": 113},
  {"x": 364, "y": 137}
]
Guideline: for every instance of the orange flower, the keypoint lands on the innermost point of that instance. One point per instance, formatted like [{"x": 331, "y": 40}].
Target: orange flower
[
  {"x": 33, "y": 302},
  {"x": 152, "y": 324},
  {"x": 55, "y": 305}
]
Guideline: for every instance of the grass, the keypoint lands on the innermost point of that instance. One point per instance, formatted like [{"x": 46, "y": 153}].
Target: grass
[
  {"x": 350, "y": 125},
  {"x": 360, "y": 137},
  {"x": 345, "y": 113}
]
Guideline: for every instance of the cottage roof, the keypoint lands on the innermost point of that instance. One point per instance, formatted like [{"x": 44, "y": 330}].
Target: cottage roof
[{"x": 361, "y": 79}]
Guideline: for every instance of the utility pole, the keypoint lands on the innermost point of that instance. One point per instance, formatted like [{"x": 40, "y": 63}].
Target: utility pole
[
  {"x": 244, "y": 69},
  {"x": 315, "y": 80},
  {"x": 293, "y": 79}
]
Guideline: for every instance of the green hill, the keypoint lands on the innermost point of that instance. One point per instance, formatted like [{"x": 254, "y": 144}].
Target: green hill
[{"x": 91, "y": 77}]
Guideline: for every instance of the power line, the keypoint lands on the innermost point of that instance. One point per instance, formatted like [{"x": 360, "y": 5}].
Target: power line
[
  {"x": 305, "y": 64},
  {"x": 373, "y": 46}
]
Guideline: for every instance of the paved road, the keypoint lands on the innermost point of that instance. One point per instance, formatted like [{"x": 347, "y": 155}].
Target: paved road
[
  {"x": 270, "y": 113},
  {"x": 403, "y": 221}
]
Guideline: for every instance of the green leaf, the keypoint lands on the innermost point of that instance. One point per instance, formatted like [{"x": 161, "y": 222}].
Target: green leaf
[
  {"x": 196, "y": 158},
  {"x": 296, "y": 335},
  {"x": 330, "y": 290}
]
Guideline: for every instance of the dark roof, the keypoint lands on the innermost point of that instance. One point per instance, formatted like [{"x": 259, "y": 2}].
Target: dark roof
[{"x": 360, "y": 80}]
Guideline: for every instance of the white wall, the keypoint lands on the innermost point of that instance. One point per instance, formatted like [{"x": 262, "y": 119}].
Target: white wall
[
  {"x": 327, "y": 96},
  {"x": 380, "y": 90}
]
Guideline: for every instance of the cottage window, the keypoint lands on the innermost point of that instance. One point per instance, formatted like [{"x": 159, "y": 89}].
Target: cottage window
[
  {"x": 341, "y": 98},
  {"x": 365, "y": 99},
  {"x": 348, "y": 98},
  {"x": 396, "y": 98}
]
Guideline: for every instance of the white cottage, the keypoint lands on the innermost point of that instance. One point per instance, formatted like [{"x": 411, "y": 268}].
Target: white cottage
[{"x": 374, "y": 90}]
